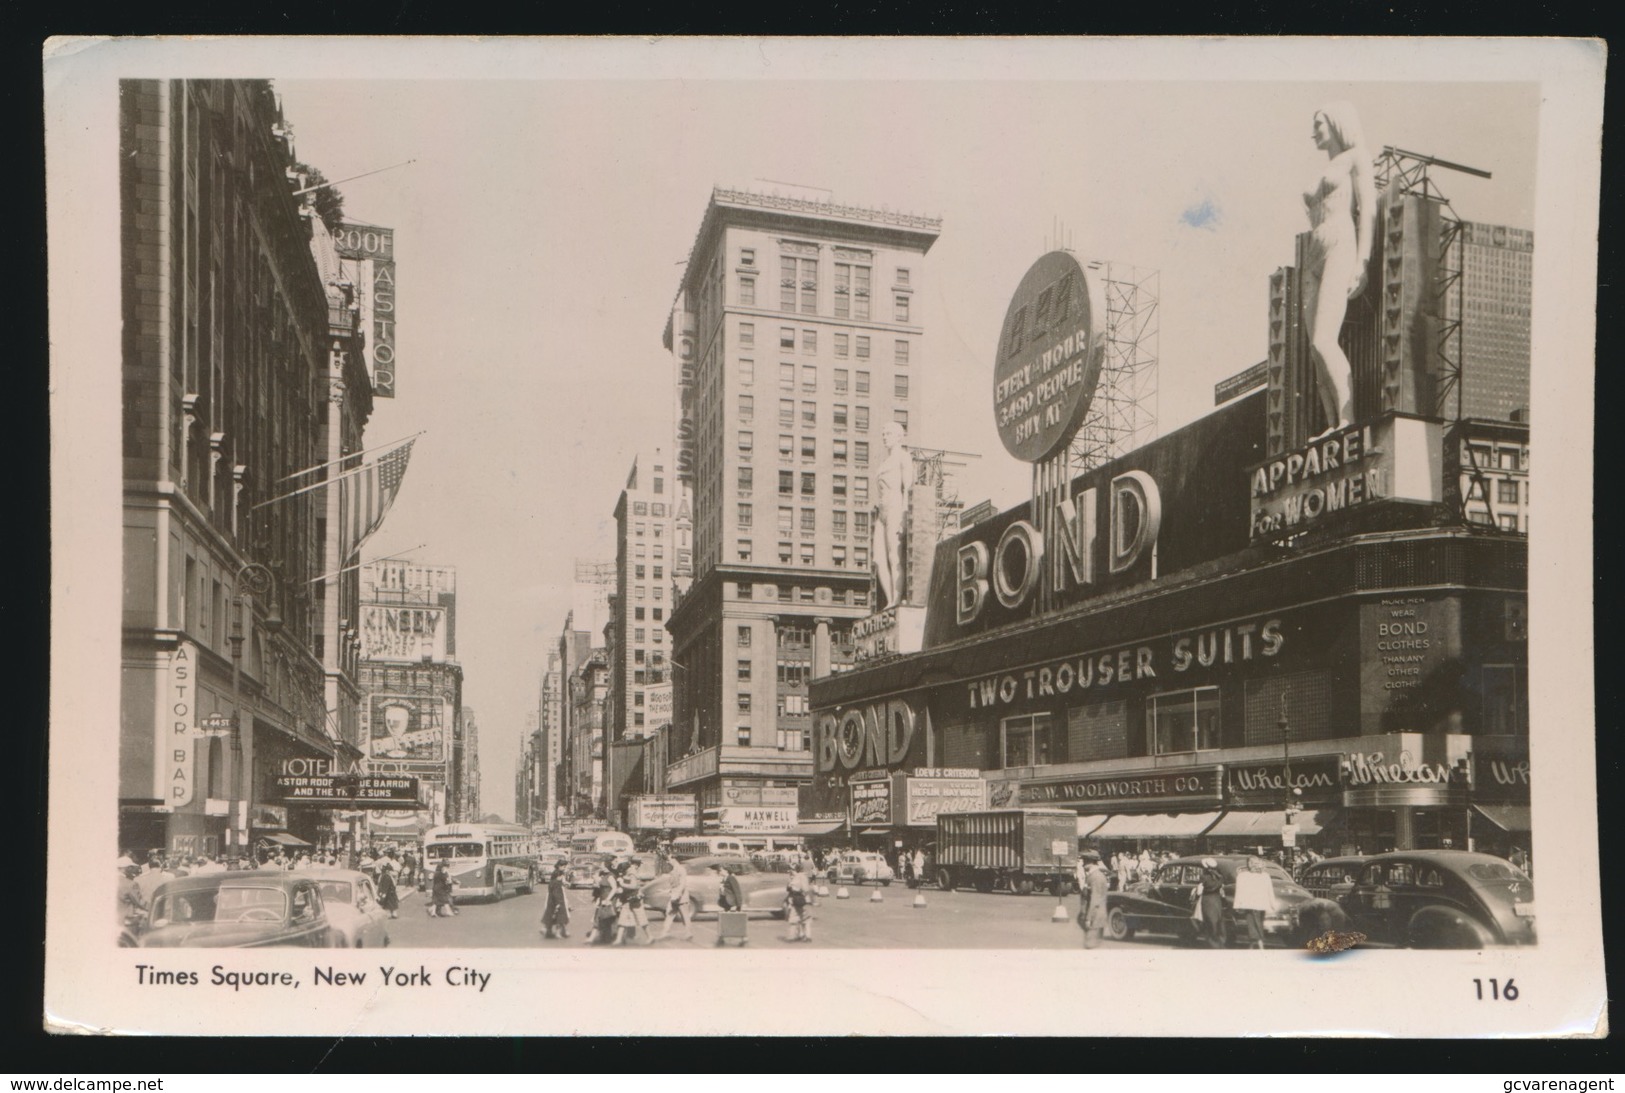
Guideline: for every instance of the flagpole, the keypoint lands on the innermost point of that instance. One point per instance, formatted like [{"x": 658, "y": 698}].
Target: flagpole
[
  {"x": 338, "y": 477},
  {"x": 352, "y": 455},
  {"x": 385, "y": 558}
]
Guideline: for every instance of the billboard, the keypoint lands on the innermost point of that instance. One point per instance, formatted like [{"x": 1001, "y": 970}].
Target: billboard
[
  {"x": 755, "y": 821},
  {"x": 403, "y": 633},
  {"x": 407, "y": 727},
  {"x": 1050, "y": 354},
  {"x": 675, "y": 811},
  {"x": 398, "y": 582},
  {"x": 372, "y": 249},
  {"x": 657, "y": 704}
]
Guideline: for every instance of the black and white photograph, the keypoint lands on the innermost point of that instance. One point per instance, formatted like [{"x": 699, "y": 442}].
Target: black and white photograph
[{"x": 902, "y": 525}]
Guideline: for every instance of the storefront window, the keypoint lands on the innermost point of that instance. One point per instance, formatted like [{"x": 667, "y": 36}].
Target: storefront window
[
  {"x": 1182, "y": 721},
  {"x": 1505, "y": 710},
  {"x": 1027, "y": 740}
]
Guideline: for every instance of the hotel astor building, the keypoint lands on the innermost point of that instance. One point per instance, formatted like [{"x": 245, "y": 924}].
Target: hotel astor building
[{"x": 1235, "y": 636}]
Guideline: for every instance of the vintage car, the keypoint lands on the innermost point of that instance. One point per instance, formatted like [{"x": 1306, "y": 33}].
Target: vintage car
[
  {"x": 351, "y": 899},
  {"x": 1442, "y": 899},
  {"x": 1331, "y": 878},
  {"x": 244, "y": 909},
  {"x": 860, "y": 867},
  {"x": 763, "y": 891},
  {"x": 583, "y": 870},
  {"x": 1163, "y": 904}
]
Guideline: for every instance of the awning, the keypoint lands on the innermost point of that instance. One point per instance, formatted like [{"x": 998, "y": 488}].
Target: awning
[
  {"x": 283, "y": 837},
  {"x": 875, "y": 831},
  {"x": 817, "y": 827},
  {"x": 1267, "y": 824},
  {"x": 1509, "y": 818},
  {"x": 1178, "y": 825},
  {"x": 1087, "y": 824}
]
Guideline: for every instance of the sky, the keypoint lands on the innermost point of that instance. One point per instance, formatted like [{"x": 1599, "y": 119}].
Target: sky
[{"x": 542, "y": 227}]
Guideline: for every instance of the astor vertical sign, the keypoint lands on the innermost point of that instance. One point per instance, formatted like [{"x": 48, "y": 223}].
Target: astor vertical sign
[
  {"x": 1049, "y": 360},
  {"x": 373, "y": 249},
  {"x": 177, "y": 719}
]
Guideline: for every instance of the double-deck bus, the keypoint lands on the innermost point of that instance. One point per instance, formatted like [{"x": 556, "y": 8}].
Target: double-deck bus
[{"x": 484, "y": 859}]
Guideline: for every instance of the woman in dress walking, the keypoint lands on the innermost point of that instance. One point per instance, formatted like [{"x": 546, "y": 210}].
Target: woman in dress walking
[{"x": 388, "y": 897}]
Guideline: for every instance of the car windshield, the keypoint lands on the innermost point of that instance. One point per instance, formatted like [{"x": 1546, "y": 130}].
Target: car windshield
[
  {"x": 223, "y": 904},
  {"x": 737, "y": 866},
  {"x": 446, "y": 851},
  {"x": 339, "y": 891}
]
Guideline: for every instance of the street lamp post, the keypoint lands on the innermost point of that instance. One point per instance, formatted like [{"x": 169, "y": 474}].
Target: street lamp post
[
  {"x": 1293, "y": 793},
  {"x": 252, "y": 580}
]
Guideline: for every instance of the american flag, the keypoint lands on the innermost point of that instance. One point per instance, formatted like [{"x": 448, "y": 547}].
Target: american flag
[{"x": 365, "y": 496}]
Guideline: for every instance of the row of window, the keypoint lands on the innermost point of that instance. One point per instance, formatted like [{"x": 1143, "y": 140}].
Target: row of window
[
  {"x": 846, "y": 344},
  {"x": 840, "y": 450},
  {"x": 787, "y": 554},
  {"x": 809, "y": 410},
  {"x": 648, "y": 508},
  {"x": 801, "y": 594},
  {"x": 859, "y": 419}
]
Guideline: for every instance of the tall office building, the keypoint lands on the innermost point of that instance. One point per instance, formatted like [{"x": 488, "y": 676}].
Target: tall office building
[
  {"x": 1496, "y": 264},
  {"x": 797, "y": 338},
  {"x": 582, "y": 692},
  {"x": 643, "y": 590}
]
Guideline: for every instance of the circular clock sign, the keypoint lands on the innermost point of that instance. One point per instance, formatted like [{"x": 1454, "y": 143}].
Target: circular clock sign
[{"x": 1050, "y": 354}]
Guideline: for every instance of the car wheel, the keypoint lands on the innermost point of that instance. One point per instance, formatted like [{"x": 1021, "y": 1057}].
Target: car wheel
[
  {"x": 983, "y": 882},
  {"x": 945, "y": 879},
  {"x": 1444, "y": 928},
  {"x": 1117, "y": 925},
  {"x": 886, "y": 883},
  {"x": 1024, "y": 886}
]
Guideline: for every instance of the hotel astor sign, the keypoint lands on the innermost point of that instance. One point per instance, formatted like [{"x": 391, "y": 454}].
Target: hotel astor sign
[{"x": 1049, "y": 360}]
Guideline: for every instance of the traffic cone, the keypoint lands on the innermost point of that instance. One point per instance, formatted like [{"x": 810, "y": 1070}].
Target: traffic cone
[
  {"x": 842, "y": 893},
  {"x": 874, "y": 897},
  {"x": 1059, "y": 914},
  {"x": 919, "y": 899}
]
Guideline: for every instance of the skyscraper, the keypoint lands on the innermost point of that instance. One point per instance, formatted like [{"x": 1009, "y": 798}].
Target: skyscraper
[
  {"x": 643, "y": 591},
  {"x": 1496, "y": 264},
  {"x": 796, "y": 335}
]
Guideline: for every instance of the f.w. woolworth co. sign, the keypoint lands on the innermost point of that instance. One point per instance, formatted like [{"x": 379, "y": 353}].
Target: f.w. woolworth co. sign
[{"x": 1050, "y": 354}]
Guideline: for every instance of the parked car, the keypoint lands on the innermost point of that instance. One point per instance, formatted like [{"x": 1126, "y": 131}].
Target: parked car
[
  {"x": 860, "y": 867},
  {"x": 763, "y": 891},
  {"x": 351, "y": 899},
  {"x": 245, "y": 909},
  {"x": 1442, "y": 899},
  {"x": 1163, "y": 904},
  {"x": 1331, "y": 878}
]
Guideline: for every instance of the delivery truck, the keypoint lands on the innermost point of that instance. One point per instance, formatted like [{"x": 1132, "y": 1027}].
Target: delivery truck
[{"x": 1017, "y": 849}]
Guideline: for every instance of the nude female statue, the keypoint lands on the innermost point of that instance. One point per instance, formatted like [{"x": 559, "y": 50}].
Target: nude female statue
[
  {"x": 1341, "y": 206},
  {"x": 893, "y": 478}
]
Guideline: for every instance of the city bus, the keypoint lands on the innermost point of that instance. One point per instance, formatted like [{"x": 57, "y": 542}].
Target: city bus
[
  {"x": 602, "y": 842},
  {"x": 484, "y": 859}
]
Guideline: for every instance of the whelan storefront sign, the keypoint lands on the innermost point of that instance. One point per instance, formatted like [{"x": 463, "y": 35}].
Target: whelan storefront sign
[{"x": 1315, "y": 777}]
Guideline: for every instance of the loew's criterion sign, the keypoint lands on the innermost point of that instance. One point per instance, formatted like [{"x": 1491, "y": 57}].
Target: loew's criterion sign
[{"x": 1051, "y": 350}]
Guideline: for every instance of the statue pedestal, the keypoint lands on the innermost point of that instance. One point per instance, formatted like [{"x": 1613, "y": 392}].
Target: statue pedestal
[{"x": 897, "y": 629}]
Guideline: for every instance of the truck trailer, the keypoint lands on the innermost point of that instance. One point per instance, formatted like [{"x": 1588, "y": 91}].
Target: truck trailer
[{"x": 1019, "y": 849}]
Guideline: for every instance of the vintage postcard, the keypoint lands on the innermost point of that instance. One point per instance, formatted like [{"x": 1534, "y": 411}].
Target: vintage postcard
[{"x": 823, "y": 536}]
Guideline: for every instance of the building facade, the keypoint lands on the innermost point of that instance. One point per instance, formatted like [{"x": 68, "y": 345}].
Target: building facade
[
  {"x": 1235, "y": 636},
  {"x": 1496, "y": 265},
  {"x": 639, "y": 664},
  {"x": 412, "y": 684},
  {"x": 471, "y": 807},
  {"x": 583, "y": 673},
  {"x": 797, "y": 338},
  {"x": 233, "y": 344}
]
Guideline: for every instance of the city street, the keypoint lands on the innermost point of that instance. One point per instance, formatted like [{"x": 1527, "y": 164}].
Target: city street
[{"x": 950, "y": 920}]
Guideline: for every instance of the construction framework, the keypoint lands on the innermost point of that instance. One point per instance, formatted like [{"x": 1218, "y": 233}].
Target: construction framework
[{"x": 1123, "y": 414}]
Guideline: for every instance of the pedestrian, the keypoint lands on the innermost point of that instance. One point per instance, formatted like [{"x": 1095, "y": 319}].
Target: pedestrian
[
  {"x": 442, "y": 905},
  {"x": 1209, "y": 899},
  {"x": 798, "y": 907},
  {"x": 605, "y": 914},
  {"x": 1519, "y": 860},
  {"x": 631, "y": 921},
  {"x": 730, "y": 897},
  {"x": 1093, "y": 885},
  {"x": 677, "y": 902},
  {"x": 130, "y": 902},
  {"x": 1255, "y": 896},
  {"x": 388, "y": 897},
  {"x": 556, "y": 915}
]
